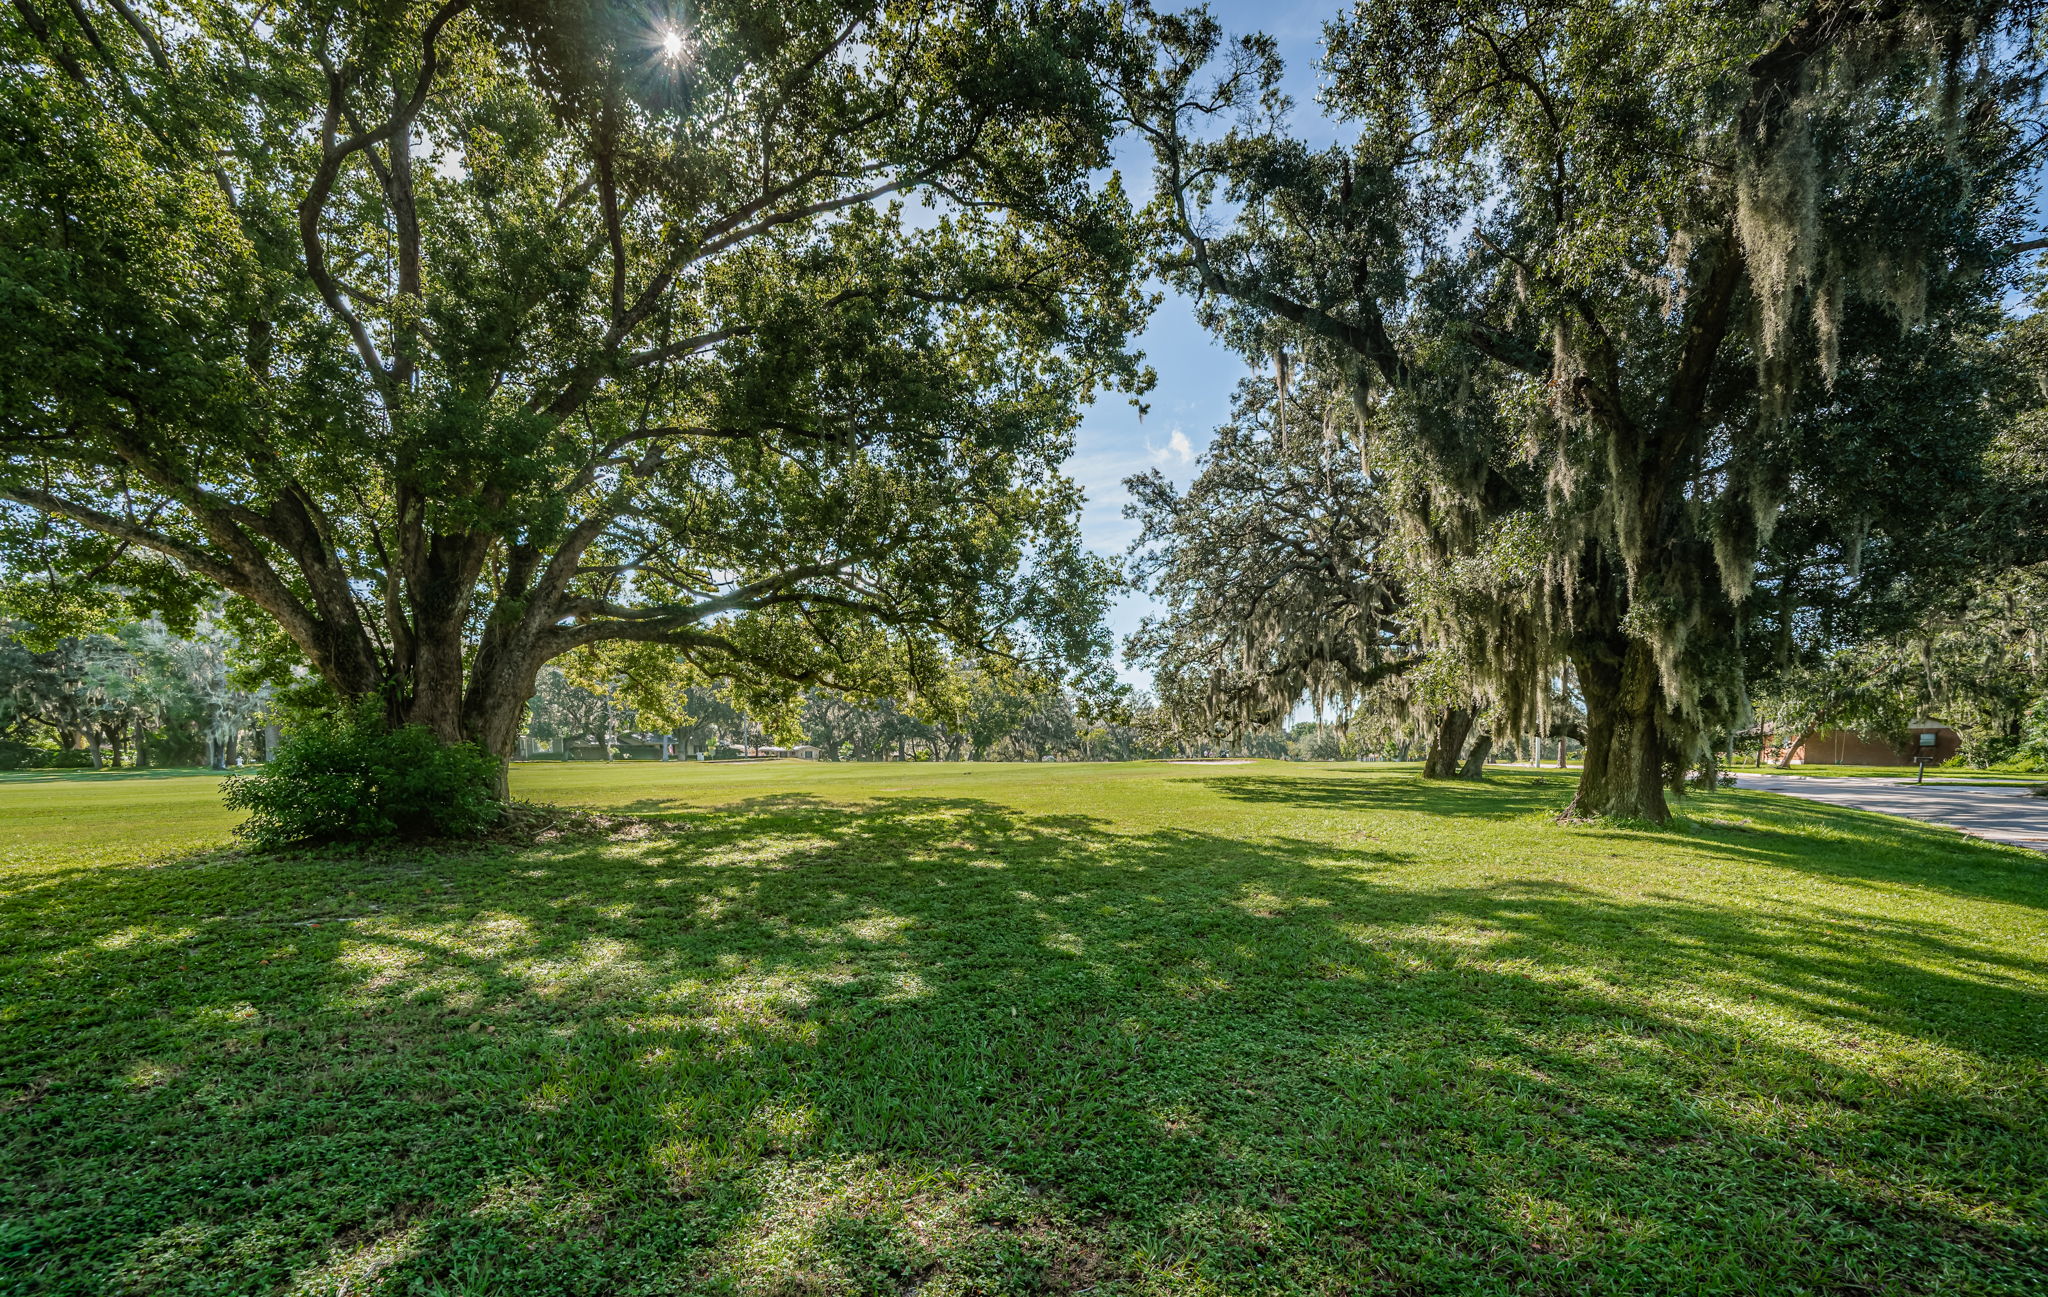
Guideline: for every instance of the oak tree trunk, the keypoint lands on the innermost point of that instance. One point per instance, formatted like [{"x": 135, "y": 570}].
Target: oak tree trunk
[
  {"x": 1475, "y": 760},
  {"x": 1448, "y": 740},
  {"x": 483, "y": 705},
  {"x": 1623, "y": 775},
  {"x": 1785, "y": 753}
]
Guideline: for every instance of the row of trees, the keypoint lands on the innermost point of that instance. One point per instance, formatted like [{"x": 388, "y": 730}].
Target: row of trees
[
  {"x": 1626, "y": 356},
  {"x": 140, "y": 695},
  {"x": 973, "y": 716},
  {"x": 137, "y": 696}
]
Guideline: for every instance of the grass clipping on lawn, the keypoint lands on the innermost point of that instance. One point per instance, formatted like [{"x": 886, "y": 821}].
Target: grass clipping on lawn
[{"x": 1125, "y": 1029}]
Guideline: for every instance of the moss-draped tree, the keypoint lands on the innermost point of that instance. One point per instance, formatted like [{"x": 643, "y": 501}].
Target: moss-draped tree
[
  {"x": 1272, "y": 569},
  {"x": 1594, "y": 265}
]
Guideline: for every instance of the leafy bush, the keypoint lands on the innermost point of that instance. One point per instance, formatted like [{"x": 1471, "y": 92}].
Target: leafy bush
[
  {"x": 1984, "y": 750},
  {"x": 15, "y": 755},
  {"x": 351, "y": 778},
  {"x": 2021, "y": 764}
]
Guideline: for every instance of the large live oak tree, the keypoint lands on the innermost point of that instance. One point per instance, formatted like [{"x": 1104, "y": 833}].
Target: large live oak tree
[
  {"x": 1594, "y": 268},
  {"x": 455, "y": 337}
]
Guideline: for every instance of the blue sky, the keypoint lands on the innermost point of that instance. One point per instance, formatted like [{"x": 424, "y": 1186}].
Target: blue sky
[{"x": 1196, "y": 374}]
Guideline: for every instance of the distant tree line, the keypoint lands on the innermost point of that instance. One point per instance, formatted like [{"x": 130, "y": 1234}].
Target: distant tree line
[
  {"x": 975, "y": 716},
  {"x": 134, "y": 696},
  {"x": 139, "y": 695}
]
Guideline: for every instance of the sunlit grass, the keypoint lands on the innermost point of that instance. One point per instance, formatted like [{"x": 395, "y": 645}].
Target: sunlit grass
[
  {"x": 1129, "y": 1029},
  {"x": 1944, "y": 774}
]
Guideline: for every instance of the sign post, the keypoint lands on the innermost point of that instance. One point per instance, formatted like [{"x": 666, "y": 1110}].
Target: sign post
[{"x": 1926, "y": 740}]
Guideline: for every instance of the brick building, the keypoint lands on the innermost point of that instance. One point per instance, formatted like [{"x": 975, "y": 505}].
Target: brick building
[{"x": 1832, "y": 747}]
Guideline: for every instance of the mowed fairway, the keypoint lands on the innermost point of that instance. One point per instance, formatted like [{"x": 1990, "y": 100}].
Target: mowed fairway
[{"x": 1123, "y": 1029}]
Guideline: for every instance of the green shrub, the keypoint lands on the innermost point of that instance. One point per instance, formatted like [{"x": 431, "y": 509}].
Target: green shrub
[
  {"x": 2021, "y": 764},
  {"x": 351, "y": 778},
  {"x": 1983, "y": 751},
  {"x": 16, "y": 755}
]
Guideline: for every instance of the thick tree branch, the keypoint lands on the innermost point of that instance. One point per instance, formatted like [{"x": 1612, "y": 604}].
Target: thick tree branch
[{"x": 313, "y": 207}]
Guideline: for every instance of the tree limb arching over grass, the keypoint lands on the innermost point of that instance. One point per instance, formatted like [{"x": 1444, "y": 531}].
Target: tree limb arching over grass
[{"x": 456, "y": 338}]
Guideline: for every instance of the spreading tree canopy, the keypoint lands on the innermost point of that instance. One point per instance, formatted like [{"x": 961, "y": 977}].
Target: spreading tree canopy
[
  {"x": 1869, "y": 617},
  {"x": 1599, "y": 270},
  {"x": 454, "y": 337}
]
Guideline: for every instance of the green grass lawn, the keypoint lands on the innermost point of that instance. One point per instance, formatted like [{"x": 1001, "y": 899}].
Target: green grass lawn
[
  {"x": 1935, "y": 774},
  {"x": 1141, "y": 1029}
]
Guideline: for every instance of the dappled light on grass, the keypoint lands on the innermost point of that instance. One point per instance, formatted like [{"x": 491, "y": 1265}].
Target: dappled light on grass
[{"x": 1044, "y": 1031}]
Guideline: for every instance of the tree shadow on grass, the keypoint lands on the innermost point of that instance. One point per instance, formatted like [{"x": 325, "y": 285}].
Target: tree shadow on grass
[
  {"x": 934, "y": 1044},
  {"x": 1839, "y": 843}
]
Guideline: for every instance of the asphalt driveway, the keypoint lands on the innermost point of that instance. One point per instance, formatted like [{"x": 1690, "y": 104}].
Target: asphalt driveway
[{"x": 2002, "y": 814}]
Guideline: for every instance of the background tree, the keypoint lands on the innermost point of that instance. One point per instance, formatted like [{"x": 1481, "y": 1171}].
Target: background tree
[
  {"x": 1274, "y": 568},
  {"x": 455, "y": 337},
  {"x": 567, "y": 711},
  {"x": 1908, "y": 582},
  {"x": 994, "y": 707},
  {"x": 1871, "y": 689},
  {"x": 113, "y": 697}
]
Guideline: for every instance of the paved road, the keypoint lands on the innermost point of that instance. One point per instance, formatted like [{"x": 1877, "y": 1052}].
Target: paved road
[{"x": 2011, "y": 815}]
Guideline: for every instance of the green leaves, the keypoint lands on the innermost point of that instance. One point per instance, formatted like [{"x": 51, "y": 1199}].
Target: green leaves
[
  {"x": 476, "y": 335},
  {"x": 1622, "y": 286},
  {"x": 355, "y": 779}
]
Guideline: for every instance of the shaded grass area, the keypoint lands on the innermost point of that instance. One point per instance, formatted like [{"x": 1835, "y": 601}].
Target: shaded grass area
[{"x": 1048, "y": 1029}]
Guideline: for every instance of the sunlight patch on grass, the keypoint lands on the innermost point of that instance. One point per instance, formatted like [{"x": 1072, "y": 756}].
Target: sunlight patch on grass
[
  {"x": 353, "y": 1266},
  {"x": 1066, "y": 943},
  {"x": 855, "y": 1225},
  {"x": 592, "y": 970},
  {"x": 380, "y": 965},
  {"x": 125, "y": 938},
  {"x": 243, "y": 1014},
  {"x": 149, "y": 1073},
  {"x": 876, "y": 928}
]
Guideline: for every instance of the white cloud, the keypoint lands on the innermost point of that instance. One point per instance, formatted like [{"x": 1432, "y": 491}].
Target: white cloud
[{"x": 1177, "y": 447}]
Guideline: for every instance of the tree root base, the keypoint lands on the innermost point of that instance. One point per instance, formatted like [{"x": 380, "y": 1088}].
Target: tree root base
[{"x": 543, "y": 824}]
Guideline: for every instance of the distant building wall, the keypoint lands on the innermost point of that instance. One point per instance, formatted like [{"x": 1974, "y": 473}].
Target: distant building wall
[{"x": 1848, "y": 748}]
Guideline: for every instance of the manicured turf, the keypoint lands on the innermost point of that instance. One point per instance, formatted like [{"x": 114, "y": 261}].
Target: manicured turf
[
  {"x": 1146, "y": 1029},
  {"x": 1949, "y": 774}
]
